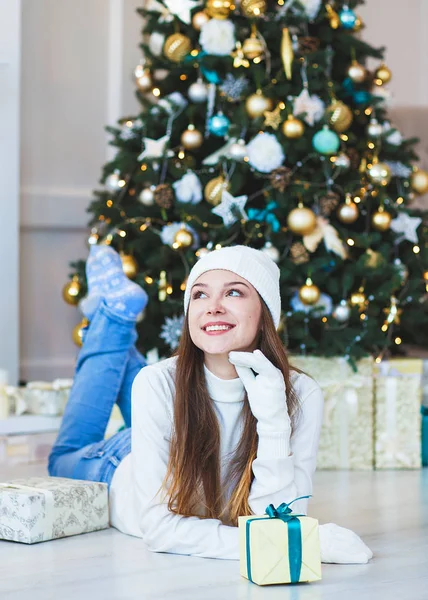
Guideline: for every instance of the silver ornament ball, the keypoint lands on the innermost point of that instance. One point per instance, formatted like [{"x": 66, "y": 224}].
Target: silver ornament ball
[
  {"x": 147, "y": 197},
  {"x": 342, "y": 312},
  {"x": 238, "y": 150},
  {"x": 270, "y": 250},
  {"x": 113, "y": 182},
  {"x": 198, "y": 92},
  {"x": 374, "y": 129},
  {"x": 343, "y": 161}
]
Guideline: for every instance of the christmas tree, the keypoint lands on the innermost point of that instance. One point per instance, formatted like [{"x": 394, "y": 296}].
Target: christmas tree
[{"x": 261, "y": 124}]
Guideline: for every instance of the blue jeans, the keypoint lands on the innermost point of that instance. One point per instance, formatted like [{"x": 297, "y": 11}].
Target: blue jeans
[{"x": 106, "y": 367}]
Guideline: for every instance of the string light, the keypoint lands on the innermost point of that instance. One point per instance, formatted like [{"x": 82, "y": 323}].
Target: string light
[
  {"x": 398, "y": 340},
  {"x": 156, "y": 92},
  {"x": 148, "y": 279},
  {"x": 416, "y": 249}
]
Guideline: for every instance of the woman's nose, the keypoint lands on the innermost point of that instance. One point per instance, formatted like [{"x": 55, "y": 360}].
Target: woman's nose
[{"x": 215, "y": 306}]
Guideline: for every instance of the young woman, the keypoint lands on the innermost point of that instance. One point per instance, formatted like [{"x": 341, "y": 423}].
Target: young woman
[{"x": 223, "y": 428}]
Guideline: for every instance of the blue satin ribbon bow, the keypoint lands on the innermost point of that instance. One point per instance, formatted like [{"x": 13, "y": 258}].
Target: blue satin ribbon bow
[
  {"x": 285, "y": 513},
  {"x": 265, "y": 215}
]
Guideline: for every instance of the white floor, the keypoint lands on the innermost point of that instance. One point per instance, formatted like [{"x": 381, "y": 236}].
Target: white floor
[{"x": 388, "y": 509}]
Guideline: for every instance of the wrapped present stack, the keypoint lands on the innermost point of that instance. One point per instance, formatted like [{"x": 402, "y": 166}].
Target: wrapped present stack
[
  {"x": 39, "y": 509},
  {"x": 398, "y": 393},
  {"x": 347, "y": 433},
  {"x": 279, "y": 547}
]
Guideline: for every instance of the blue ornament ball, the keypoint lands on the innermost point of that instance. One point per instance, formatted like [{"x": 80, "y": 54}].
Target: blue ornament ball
[
  {"x": 348, "y": 18},
  {"x": 219, "y": 125},
  {"x": 362, "y": 97},
  {"x": 326, "y": 141}
]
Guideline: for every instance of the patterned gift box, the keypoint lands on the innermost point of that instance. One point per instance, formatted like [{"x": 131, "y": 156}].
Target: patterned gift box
[
  {"x": 398, "y": 390},
  {"x": 279, "y": 548},
  {"x": 38, "y": 509},
  {"x": 346, "y": 440}
]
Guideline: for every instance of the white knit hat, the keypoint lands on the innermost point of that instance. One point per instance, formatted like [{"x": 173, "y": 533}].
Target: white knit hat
[{"x": 251, "y": 264}]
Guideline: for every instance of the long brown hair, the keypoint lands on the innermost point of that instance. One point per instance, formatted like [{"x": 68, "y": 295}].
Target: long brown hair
[{"x": 193, "y": 474}]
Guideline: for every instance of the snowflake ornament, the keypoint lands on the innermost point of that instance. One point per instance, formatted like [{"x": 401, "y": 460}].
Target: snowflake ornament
[
  {"x": 392, "y": 135},
  {"x": 313, "y": 106},
  {"x": 311, "y": 7},
  {"x": 398, "y": 169},
  {"x": 155, "y": 148},
  {"x": 181, "y": 9},
  {"x": 172, "y": 330},
  {"x": 234, "y": 87},
  {"x": 229, "y": 206}
]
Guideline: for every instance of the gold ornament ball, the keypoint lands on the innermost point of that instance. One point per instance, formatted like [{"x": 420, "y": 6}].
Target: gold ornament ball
[
  {"x": 293, "y": 128},
  {"x": 214, "y": 190},
  {"x": 144, "y": 82},
  {"x": 309, "y": 294},
  {"x": 419, "y": 181},
  {"x": 348, "y": 212},
  {"x": 358, "y": 299},
  {"x": 129, "y": 265},
  {"x": 380, "y": 173},
  {"x": 183, "y": 238},
  {"x": 340, "y": 116},
  {"x": 252, "y": 47},
  {"x": 357, "y": 72},
  {"x": 382, "y": 75},
  {"x": 77, "y": 333},
  {"x": 257, "y": 104},
  {"x": 425, "y": 275},
  {"x": 199, "y": 19},
  {"x": 176, "y": 47},
  {"x": 219, "y": 9},
  {"x": 359, "y": 24},
  {"x": 71, "y": 291},
  {"x": 302, "y": 221},
  {"x": 381, "y": 220},
  {"x": 253, "y": 8},
  {"x": 192, "y": 138}
]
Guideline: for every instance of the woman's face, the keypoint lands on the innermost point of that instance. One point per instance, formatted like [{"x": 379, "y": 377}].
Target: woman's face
[{"x": 224, "y": 313}]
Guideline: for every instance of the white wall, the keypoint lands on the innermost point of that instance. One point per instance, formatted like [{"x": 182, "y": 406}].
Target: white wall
[
  {"x": 77, "y": 62},
  {"x": 10, "y": 34},
  {"x": 74, "y": 82}
]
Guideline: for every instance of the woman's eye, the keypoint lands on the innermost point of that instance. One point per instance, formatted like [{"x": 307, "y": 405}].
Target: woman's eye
[
  {"x": 236, "y": 291},
  {"x": 197, "y": 295}
]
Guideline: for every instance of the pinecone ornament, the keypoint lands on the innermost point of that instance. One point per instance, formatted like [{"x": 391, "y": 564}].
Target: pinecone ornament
[
  {"x": 308, "y": 44},
  {"x": 299, "y": 254},
  {"x": 164, "y": 196},
  {"x": 280, "y": 178},
  {"x": 329, "y": 202}
]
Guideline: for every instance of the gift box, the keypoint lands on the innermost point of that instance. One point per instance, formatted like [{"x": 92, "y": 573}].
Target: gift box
[
  {"x": 346, "y": 440},
  {"x": 279, "y": 547},
  {"x": 38, "y": 509},
  {"x": 398, "y": 392}
]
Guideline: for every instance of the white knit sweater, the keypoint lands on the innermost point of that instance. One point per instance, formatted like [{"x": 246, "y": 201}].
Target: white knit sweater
[{"x": 282, "y": 470}]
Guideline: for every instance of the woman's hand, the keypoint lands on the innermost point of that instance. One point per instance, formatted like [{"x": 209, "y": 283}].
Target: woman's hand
[
  {"x": 340, "y": 545},
  {"x": 266, "y": 390}
]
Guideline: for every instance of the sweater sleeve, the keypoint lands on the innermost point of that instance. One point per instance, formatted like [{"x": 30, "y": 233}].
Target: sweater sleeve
[
  {"x": 283, "y": 468},
  {"x": 162, "y": 530}
]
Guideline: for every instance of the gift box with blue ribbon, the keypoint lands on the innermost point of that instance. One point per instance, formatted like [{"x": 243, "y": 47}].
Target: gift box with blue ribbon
[{"x": 279, "y": 547}]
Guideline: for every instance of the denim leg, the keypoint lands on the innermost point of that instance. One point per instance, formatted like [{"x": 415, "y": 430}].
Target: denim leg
[
  {"x": 100, "y": 371},
  {"x": 136, "y": 362}
]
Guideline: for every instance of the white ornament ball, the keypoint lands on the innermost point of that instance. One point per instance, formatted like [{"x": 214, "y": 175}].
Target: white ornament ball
[
  {"x": 198, "y": 92},
  {"x": 343, "y": 161},
  {"x": 238, "y": 150},
  {"x": 218, "y": 37},
  {"x": 114, "y": 182},
  {"x": 147, "y": 196},
  {"x": 375, "y": 129},
  {"x": 265, "y": 153},
  {"x": 156, "y": 43},
  {"x": 342, "y": 312},
  {"x": 270, "y": 250}
]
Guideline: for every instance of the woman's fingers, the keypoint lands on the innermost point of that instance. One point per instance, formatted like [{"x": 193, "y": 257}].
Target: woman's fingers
[
  {"x": 245, "y": 375},
  {"x": 254, "y": 360}
]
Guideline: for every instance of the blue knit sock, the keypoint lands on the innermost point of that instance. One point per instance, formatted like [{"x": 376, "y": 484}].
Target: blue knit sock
[{"x": 107, "y": 281}]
